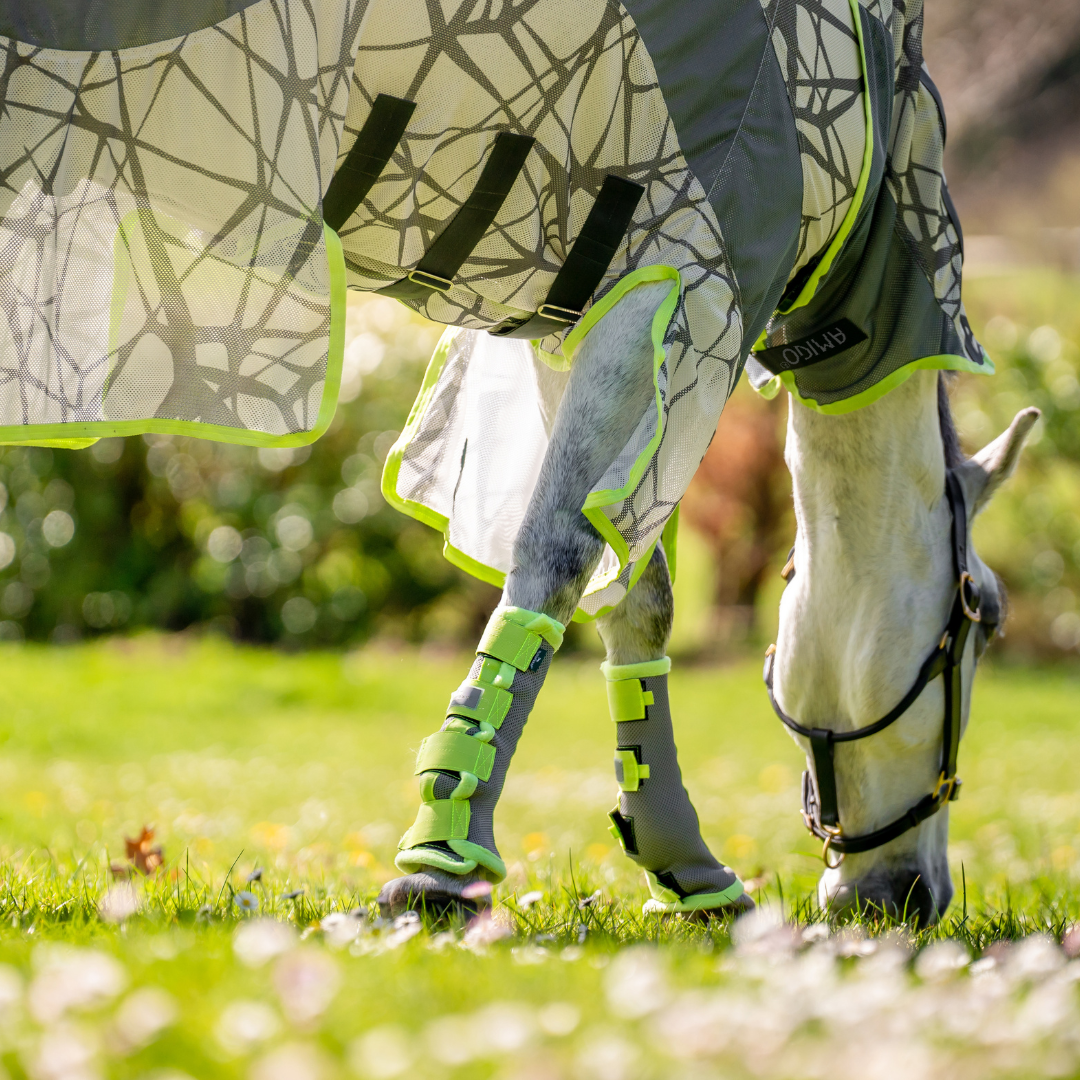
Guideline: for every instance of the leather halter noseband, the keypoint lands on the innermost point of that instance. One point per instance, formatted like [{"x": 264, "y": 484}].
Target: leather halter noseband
[{"x": 819, "y": 802}]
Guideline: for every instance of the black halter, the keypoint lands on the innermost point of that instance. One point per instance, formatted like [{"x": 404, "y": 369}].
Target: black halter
[{"x": 819, "y": 805}]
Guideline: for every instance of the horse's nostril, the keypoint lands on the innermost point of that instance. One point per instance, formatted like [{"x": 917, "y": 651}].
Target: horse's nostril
[{"x": 900, "y": 893}]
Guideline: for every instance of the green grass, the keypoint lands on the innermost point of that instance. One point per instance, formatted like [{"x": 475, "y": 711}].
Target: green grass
[{"x": 300, "y": 766}]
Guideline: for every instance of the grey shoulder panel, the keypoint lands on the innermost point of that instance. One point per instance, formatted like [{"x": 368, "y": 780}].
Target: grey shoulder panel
[
  {"x": 104, "y": 25},
  {"x": 758, "y": 197},
  {"x": 728, "y": 100},
  {"x": 706, "y": 56}
]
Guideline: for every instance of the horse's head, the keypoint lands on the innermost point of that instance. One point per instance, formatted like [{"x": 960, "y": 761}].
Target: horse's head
[{"x": 881, "y": 629}]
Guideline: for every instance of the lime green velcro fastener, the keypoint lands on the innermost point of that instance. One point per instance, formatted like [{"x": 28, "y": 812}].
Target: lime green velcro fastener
[
  {"x": 480, "y": 702},
  {"x": 451, "y": 751},
  {"x": 627, "y": 700},
  {"x": 648, "y": 669},
  {"x": 445, "y": 819},
  {"x": 496, "y": 673},
  {"x": 666, "y": 902},
  {"x": 514, "y": 635},
  {"x": 629, "y": 771}
]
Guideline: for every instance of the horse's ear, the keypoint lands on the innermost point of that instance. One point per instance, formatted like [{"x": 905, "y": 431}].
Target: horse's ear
[{"x": 984, "y": 473}]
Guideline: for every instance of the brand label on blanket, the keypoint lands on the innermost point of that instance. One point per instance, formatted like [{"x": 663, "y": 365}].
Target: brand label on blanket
[{"x": 818, "y": 346}]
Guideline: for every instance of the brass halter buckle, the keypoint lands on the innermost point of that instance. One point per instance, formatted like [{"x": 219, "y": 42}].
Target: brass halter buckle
[
  {"x": 949, "y": 784},
  {"x": 965, "y": 580},
  {"x": 834, "y": 833}
]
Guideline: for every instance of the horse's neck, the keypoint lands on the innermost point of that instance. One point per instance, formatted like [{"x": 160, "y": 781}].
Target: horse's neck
[{"x": 872, "y": 558}]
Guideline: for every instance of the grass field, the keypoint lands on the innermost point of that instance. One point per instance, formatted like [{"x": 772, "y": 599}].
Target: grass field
[{"x": 299, "y": 767}]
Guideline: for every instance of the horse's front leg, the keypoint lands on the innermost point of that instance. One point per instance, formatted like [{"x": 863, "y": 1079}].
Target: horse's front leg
[
  {"x": 463, "y": 767},
  {"x": 655, "y": 820}
]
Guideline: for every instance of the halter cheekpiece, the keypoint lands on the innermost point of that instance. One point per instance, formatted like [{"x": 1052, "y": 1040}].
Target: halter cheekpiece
[{"x": 819, "y": 803}]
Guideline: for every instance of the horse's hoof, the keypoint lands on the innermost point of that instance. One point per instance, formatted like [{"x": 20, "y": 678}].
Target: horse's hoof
[{"x": 430, "y": 892}]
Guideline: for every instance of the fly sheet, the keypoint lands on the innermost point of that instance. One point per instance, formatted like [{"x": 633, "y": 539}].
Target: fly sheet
[{"x": 189, "y": 188}]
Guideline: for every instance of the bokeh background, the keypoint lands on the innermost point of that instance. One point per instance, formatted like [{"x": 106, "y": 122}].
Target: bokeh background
[{"x": 298, "y": 547}]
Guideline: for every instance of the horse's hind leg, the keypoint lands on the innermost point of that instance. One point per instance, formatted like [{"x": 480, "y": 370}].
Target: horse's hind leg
[
  {"x": 463, "y": 767},
  {"x": 655, "y": 820}
]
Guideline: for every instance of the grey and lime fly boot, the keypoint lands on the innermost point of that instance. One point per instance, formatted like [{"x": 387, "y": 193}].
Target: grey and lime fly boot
[
  {"x": 655, "y": 822},
  {"x": 462, "y": 768}
]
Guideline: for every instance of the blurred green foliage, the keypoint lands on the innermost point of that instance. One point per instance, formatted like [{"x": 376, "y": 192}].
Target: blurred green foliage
[
  {"x": 263, "y": 544},
  {"x": 1029, "y": 322},
  {"x": 299, "y": 546}
]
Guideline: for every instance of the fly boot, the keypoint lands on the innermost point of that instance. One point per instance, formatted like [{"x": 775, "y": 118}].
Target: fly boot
[
  {"x": 654, "y": 821},
  {"x": 462, "y": 769}
]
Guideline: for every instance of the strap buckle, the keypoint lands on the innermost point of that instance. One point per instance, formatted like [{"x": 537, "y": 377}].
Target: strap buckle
[
  {"x": 951, "y": 785},
  {"x": 832, "y": 832},
  {"x": 970, "y": 612},
  {"x": 430, "y": 281},
  {"x": 559, "y": 314}
]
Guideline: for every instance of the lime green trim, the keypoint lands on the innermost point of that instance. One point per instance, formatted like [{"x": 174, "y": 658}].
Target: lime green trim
[
  {"x": 470, "y": 565},
  {"x": 665, "y": 902},
  {"x": 57, "y": 444},
  {"x": 669, "y": 539},
  {"x": 647, "y": 669},
  {"x": 392, "y": 466},
  {"x": 627, "y": 700},
  {"x": 555, "y": 361},
  {"x": 443, "y": 819},
  {"x": 770, "y": 389},
  {"x": 629, "y": 771},
  {"x": 413, "y": 859},
  {"x": 596, "y": 500},
  {"x": 451, "y": 751},
  {"x": 941, "y": 362},
  {"x": 392, "y": 470},
  {"x": 826, "y": 261},
  {"x": 486, "y": 860},
  {"x": 471, "y": 857},
  {"x": 22, "y": 434},
  {"x": 494, "y": 704}
]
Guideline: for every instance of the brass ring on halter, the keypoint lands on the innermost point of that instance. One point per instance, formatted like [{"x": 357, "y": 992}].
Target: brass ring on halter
[
  {"x": 965, "y": 580},
  {"x": 834, "y": 834}
]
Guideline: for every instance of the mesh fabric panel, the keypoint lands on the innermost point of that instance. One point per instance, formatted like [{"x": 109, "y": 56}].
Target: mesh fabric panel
[{"x": 164, "y": 257}]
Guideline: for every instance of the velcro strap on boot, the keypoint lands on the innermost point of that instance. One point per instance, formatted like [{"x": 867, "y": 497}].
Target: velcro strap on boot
[
  {"x": 451, "y": 751},
  {"x": 516, "y": 636},
  {"x": 446, "y": 819},
  {"x": 481, "y": 702},
  {"x": 496, "y": 673},
  {"x": 627, "y": 699},
  {"x": 629, "y": 771}
]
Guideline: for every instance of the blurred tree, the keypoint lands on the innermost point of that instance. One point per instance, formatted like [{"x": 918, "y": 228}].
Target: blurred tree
[
  {"x": 263, "y": 544},
  {"x": 740, "y": 500},
  {"x": 1029, "y": 322}
]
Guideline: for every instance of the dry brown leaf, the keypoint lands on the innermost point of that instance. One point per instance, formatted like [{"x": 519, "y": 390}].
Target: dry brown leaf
[{"x": 142, "y": 854}]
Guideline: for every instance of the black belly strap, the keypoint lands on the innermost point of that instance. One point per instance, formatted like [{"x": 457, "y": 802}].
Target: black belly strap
[
  {"x": 449, "y": 250},
  {"x": 585, "y": 266},
  {"x": 366, "y": 159},
  {"x": 580, "y": 275}
]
